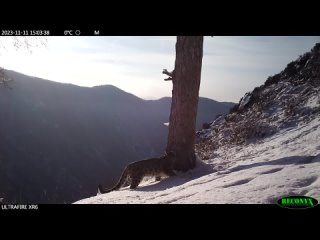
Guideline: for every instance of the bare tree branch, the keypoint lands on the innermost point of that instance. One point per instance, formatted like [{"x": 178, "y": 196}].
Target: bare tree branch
[
  {"x": 170, "y": 74},
  {"x": 4, "y": 80},
  {"x": 20, "y": 42},
  {"x": 26, "y": 42}
]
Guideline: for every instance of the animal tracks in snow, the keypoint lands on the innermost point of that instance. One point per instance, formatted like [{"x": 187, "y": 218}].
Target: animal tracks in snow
[
  {"x": 239, "y": 182},
  {"x": 271, "y": 171},
  {"x": 304, "y": 182}
]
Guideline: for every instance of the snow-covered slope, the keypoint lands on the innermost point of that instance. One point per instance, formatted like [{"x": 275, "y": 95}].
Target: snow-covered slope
[
  {"x": 266, "y": 148},
  {"x": 288, "y": 163}
]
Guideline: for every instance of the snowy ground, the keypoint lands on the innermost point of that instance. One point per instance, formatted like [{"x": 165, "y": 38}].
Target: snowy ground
[{"x": 287, "y": 163}]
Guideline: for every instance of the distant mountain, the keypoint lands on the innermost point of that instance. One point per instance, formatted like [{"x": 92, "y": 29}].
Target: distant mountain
[
  {"x": 58, "y": 141},
  {"x": 207, "y": 109}
]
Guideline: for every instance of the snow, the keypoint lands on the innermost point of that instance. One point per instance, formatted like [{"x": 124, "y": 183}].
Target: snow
[
  {"x": 313, "y": 101},
  {"x": 286, "y": 163}
]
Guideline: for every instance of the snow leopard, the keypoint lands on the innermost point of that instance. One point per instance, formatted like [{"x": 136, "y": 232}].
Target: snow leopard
[{"x": 136, "y": 171}]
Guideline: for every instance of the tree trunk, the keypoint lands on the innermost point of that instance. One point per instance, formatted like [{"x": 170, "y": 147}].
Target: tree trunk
[{"x": 185, "y": 95}]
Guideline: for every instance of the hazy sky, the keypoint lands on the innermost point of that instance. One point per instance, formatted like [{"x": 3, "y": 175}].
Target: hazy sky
[{"x": 231, "y": 66}]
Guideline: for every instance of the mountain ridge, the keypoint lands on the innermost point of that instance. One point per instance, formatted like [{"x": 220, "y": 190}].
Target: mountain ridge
[
  {"x": 278, "y": 103},
  {"x": 60, "y": 140}
]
